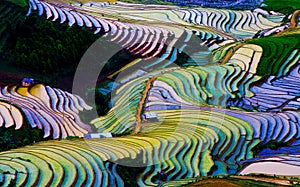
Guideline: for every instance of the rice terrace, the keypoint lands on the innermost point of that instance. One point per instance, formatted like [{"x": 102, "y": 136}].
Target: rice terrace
[{"x": 149, "y": 93}]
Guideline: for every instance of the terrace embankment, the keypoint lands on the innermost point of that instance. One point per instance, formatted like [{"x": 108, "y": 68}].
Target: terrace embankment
[
  {"x": 143, "y": 99},
  {"x": 141, "y": 104},
  {"x": 294, "y": 20},
  {"x": 230, "y": 53}
]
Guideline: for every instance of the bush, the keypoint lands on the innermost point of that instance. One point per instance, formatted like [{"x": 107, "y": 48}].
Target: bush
[
  {"x": 288, "y": 7},
  {"x": 72, "y": 137},
  {"x": 26, "y": 135},
  {"x": 272, "y": 144}
]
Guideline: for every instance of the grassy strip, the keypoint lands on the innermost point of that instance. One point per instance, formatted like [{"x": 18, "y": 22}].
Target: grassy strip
[
  {"x": 275, "y": 51},
  {"x": 288, "y": 7}
]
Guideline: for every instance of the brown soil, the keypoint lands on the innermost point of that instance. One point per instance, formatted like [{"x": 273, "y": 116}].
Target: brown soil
[
  {"x": 215, "y": 183},
  {"x": 294, "y": 19},
  {"x": 265, "y": 179},
  {"x": 141, "y": 103},
  {"x": 230, "y": 53}
]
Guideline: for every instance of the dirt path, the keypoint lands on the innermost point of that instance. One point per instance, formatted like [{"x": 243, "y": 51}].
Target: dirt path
[
  {"x": 264, "y": 179},
  {"x": 230, "y": 53},
  {"x": 143, "y": 99},
  {"x": 150, "y": 81},
  {"x": 141, "y": 104},
  {"x": 294, "y": 19},
  {"x": 294, "y": 22}
]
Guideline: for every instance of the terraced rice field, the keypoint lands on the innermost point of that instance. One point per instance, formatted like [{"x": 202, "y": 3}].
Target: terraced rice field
[
  {"x": 53, "y": 110},
  {"x": 238, "y": 23},
  {"x": 162, "y": 155},
  {"x": 242, "y": 91},
  {"x": 159, "y": 45}
]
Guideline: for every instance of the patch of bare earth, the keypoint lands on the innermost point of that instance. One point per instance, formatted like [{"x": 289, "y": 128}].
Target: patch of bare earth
[{"x": 215, "y": 183}]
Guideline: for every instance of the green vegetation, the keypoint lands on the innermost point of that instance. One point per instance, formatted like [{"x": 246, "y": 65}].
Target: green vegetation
[
  {"x": 26, "y": 135},
  {"x": 22, "y": 3},
  {"x": 127, "y": 172},
  {"x": 102, "y": 103},
  {"x": 34, "y": 44},
  {"x": 72, "y": 137},
  {"x": 125, "y": 133},
  {"x": 49, "y": 51},
  {"x": 275, "y": 51},
  {"x": 37, "y": 47},
  {"x": 10, "y": 16},
  {"x": 286, "y": 7},
  {"x": 12, "y": 183},
  {"x": 191, "y": 141},
  {"x": 272, "y": 144},
  {"x": 46, "y": 50}
]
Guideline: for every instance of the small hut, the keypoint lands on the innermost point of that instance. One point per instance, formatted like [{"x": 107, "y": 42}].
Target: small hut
[
  {"x": 99, "y": 135},
  {"x": 150, "y": 117},
  {"x": 27, "y": 82}
]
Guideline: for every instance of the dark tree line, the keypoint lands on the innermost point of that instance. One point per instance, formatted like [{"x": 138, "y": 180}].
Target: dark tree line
[{"x": 38, "y": 44}]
